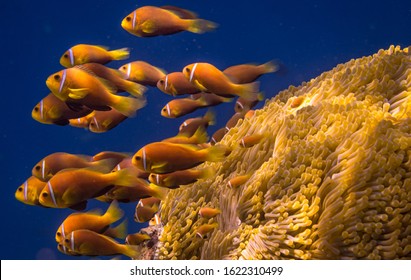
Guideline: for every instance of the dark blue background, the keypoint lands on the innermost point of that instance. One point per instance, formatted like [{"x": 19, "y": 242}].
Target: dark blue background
[{"x": 308, "y": 37}]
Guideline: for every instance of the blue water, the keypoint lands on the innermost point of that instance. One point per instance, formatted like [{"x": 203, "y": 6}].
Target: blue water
[{"x": 308, "y": 37}]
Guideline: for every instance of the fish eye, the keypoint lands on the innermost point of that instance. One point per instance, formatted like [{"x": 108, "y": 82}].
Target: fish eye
[
  {"x": 92, "y": 124},
  {"x": 20, "y": 189},
  {"x": 38, "y": 167},
  {"x": 162, "y": 82},
  {"x": 36, "y": 109},
  {"x": 137, "y": 158},
  {"x": 187, "y": 69},
  {"x": 57, "y": 77},
  {"x": 128, "y": 18},
  {"x": 124, "y": 67},
  {"x": 44, "y": 194},
  {"x": 66, "y": 55},
  {"x": 164, "y": 110},
  {"x": 58, "y": 233},
  {"x": 67, "y": 240}
]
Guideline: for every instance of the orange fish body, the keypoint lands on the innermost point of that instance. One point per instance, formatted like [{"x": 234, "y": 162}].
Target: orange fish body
[
  {"x": 190, "y": 126},
  {"x": 203, "y": 230},
  {"x": 55, "y": 162},
  {"x": 238, "y": 180},
  {"x": 218, "y": 135},
  {"x": 91, "y": 221},
  {"x": 163, "y": 157},
  {"x": 181, "y": 177},
  {"x": 73, "y": 186},
  {"x": 247, "y": 73},
  {"x": 200, "y": 136},
  {"x": 251, "y": 140},
  {"x": 142, "y": 72},
  {"x": 115, "y": 77},
  {"x": 176, "y": 84},
  {"x": 234, "y": 119},
  {"x": 51, "y": 110},
  {"x": 118, "y": 156},
  {"x": 89, "y": 243},
  {"x": 83, "y": 122},
  {"x": 83, "y": 53},
  {"x": 137, "y": 238},
  {"x": 146, "y": 209},
  {"x": 30, "y": 190},
  {"x": 78, "y": 86},
  {"x": 103, "y": 121},
  {"x": 207, "y": 77},
  {"x": 149, "y": 21},
  {"x": 127, "y": 163},
  {"x": 140, "y": 189},
  {"x": 183, "y": 106},
  {"x": 208, "y": 212}
]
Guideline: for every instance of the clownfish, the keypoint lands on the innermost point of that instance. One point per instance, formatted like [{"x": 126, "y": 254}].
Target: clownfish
[
  {"x": 75, "y": 85},
  {"x": 238, "y": 181},
  {"x": 247, "y": 73},
  {"x": 253, "y": 139},
  {"x": 181, "y": 177},
  {"x": 164, "y": 157},
  {"x": 176, "y": 84},
  {"x": 140, "y": 189},
  {"x": 203, "y": 230},
  {"x": 92, "y": 220},
  {"x": 89, "y": 243},
  {"x": 183, "y": 106},
  {"x": 142, "y": 72},
  {"x": 208, "y": 212},
  {"x": 51, "y": 110},
  {"x": 146, "y": 209},
  {"x": 137, "y": 238},
  {"x": 30, "y": 190},
  {"x": 74, "y": 186},
  {"x": 83, "y": 53},
  {"x": 103, "y": 121},
  {"x": 149, "y": 21},
  {"x": 218, "y": 135},
  {"x": 200, "y": 136},
  {"x": 190, "y": 126},
  {"x": 207, "y": 77}
]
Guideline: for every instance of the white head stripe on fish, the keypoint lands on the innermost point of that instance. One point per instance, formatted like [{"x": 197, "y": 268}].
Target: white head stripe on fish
[
  {"x": 128, "y": 70},
  {"x": 192, "y": 71},
  {"x": 71, "y": 57},
  {"x": 96, "y": 122},
  {"x": 184, "y": 123},
  {"x": 52, "y": 193},
  {"x": 42, "y": 109},
  {"x": 43, "y": 167},
  {"x": 140, "y": 203},
  {"x": 134, "y": 19},
  {"x": 158, "y": 179},
  {"x": 168, "y": 110},
  {"x": 118, "y": 167},
  {"x": 242, "y": 143},
  {"x": 25, "y": 190},
  {"x": 72, "y": 241},
  {"x": 239, "y": 104},
  {"x": 62, "y": 230},
  {"x": 63, "y": 79},
  {"x": 166, "y": 83},
  {"x": 144, "y": 159}
]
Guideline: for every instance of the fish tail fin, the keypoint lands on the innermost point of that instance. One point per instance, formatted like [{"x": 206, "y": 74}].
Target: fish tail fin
[
  {"x": 120, "y": 54},
  {"x": 113, "y": 213},
  {"x": 208, "y": 172},
  {"x": 128, "y": 105},
  {"x": 270, "y": 67},
  {"x": 200, "y": 135},
  {"x": 201, "y": 26},
  {"x": 158, "y": 192},
  {"x": 131, "y": 251},
  {"x": 216, "y": 153},
  {"x": 119, "y": 231},
  {"x": 135, "y": 89},
  {"x": 209, "y": 117},
  {"x": 124, "y": 177},
  {"x": 249, "y": 91}
]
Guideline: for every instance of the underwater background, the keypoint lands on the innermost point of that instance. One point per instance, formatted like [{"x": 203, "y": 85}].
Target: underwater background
[{"x": 307, "y": 37}]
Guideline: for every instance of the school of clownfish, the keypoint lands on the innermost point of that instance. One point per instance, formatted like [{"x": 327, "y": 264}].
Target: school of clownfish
[{"x": 85, "y": 94}]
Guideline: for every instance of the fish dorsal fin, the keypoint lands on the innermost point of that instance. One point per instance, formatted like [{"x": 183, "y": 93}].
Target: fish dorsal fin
[{"x": 181, "y": 13}]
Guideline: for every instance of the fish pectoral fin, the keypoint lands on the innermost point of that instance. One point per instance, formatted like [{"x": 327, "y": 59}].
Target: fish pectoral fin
[
  {"x": 78, "y": 93},
  {"x": 199, "y": 86},
  {"x": 148, "y": 26},
  {"x": 158, "y": 165},
  {"x": 54, "y": 112}
]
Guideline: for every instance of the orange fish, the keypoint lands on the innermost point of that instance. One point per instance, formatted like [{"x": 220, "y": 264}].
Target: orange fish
[
  {"x": 118, "y": 156},
  {"x": 115, "y": 77},
  {"x": 142, "y": 72},
  {"x": 181, "y": 177},
  {"x": 73, "y": 186},
  {"x": 51, "y": 110},
  {"x": 234, "y": 119},
  {"x": 203, "y": 230},
  {"x": 247, "y": 73},
  {"x": 200, "y": 136},
  {"x": 137, "y": 238},
  {"x": 207, "y": 77},
  {"x": 103, "y": 121},
  {"x": 149, "y": 21},
  {"x": 53, "y": 163},
  {"x": 83, "y": 122},
  {"x": 30, "y": 190},
  {"x": 190, "y": 126},
  {"x": 218, "y": 135},
  {"x": 89, "y": 243},
  {"x": 92, "y": 220},
  {"x": 127, "y": 163},
  {"x": 146, "y": 209},
  {"x": 140, "y": 189},
  {"x": 238, "y": 181},
  {"x": 243, "y": 104},
  {"x": 183, "y": 106},
  {"x": 82, "y": 53},
  {"x": 163, "y": 157},
  {"x": 251, "y": 140},
  {"x": 77, "y": 86},
  {"x": 297, "y": 101},
  {"x": 208, "y": 212},
  {"x": 176, "y": 84}
]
